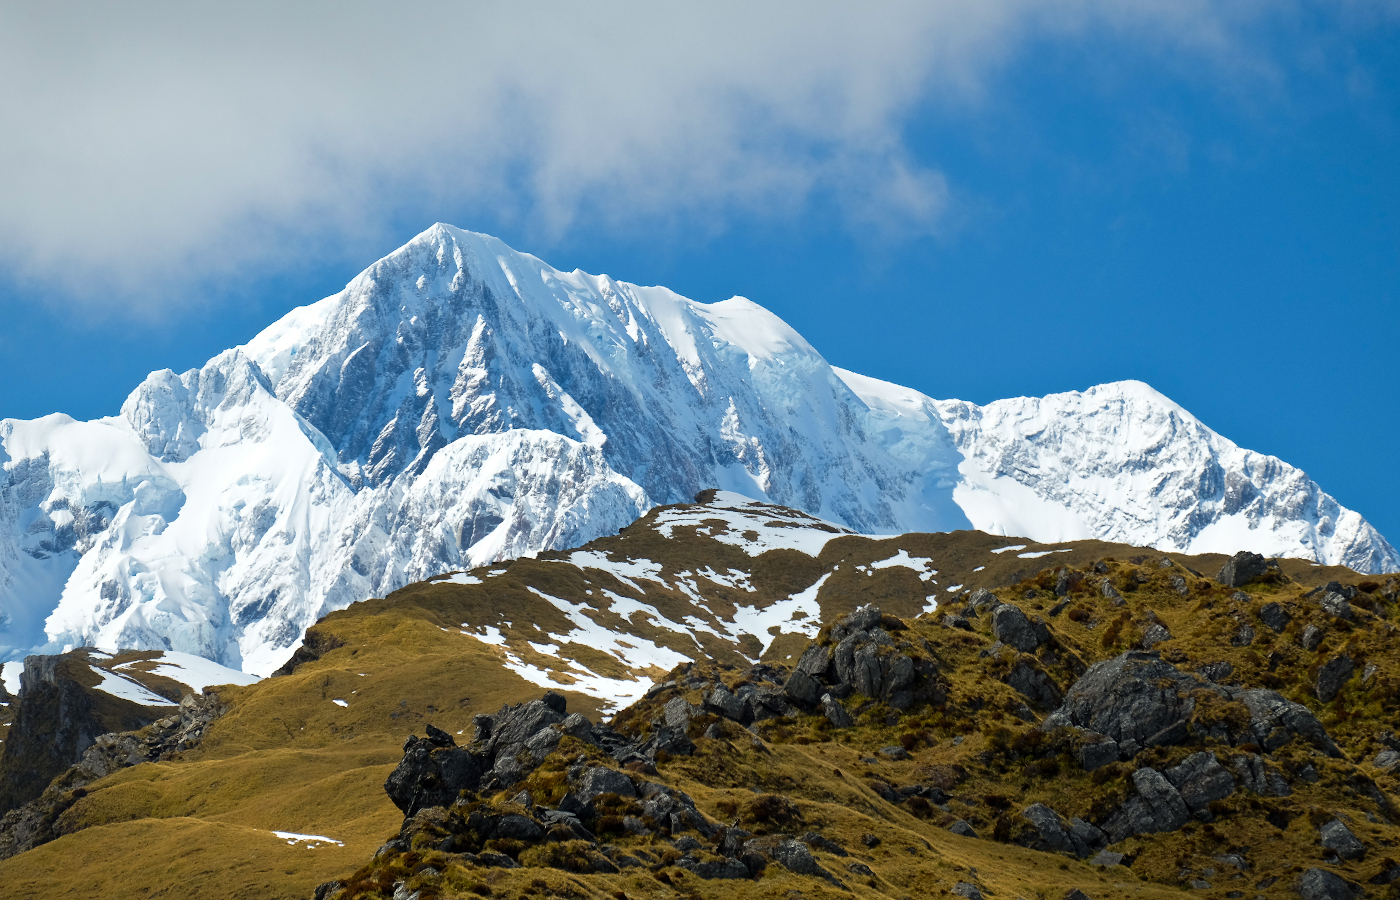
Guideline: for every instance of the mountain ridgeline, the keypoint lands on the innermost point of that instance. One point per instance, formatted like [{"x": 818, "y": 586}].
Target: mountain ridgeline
[{"x": 461, "y": 403}]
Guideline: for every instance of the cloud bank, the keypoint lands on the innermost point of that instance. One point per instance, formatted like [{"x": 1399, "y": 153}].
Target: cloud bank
[{"x": 146, "y": 141}]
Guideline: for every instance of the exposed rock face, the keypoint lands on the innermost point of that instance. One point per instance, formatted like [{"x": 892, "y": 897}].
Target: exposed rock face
[
  {"x": 1015, "y": 629},
  {"x": 57, "y": 720},
  {"x": 1139, "y": 700},
  {"x": 1242, "y": 568},
  {"x": 37, "y": 822},
  {"x": 862, "y": 657},
  {"x": 1333, "y": 674},
  {"x": 1320, "y": 884},
  {"x": 1335, "y": 836}
]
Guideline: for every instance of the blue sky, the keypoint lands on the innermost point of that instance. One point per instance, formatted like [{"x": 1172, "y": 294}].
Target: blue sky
[{"x": 977, "y": 201}]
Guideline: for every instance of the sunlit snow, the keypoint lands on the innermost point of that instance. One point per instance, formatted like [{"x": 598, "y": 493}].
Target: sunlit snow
[{"x": 126, "y": 689}]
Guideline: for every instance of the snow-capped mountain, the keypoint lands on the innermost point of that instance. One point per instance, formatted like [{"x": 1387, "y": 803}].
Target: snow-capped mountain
[{"x": 460, "y": 402}]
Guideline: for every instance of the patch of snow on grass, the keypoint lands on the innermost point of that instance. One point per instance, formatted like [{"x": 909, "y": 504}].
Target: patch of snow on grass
[
  {"x": 769, "y": 525},
  {"x": 459, "y": 578},
  {"x": 195, "y": 671},
  {"x": 490, "y": 634},
  {"x": 292, "y": 838},
  {"x": 757, "y": 622},
  {"x": 623, "y": 570},
  {"x": 1037, "y": 554},
  {"x": 341, "y": 703},
  {"x": 956, "y": 587},
  {"x": 902, "y": 558},
  {"x": 979, "y": 568},
  {"x": 126, "y": 689},
  {"x": 1012, "y": 547}
]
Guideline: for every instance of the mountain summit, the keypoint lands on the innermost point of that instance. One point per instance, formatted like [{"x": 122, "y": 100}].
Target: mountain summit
[{"x": 461, "y": 403}]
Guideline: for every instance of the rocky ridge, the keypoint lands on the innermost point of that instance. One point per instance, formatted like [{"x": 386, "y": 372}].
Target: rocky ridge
[{"x": 1125, "y": 756}]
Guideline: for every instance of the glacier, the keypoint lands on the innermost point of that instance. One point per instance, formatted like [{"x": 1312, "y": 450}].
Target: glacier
[{"x": 460, "y": 403}]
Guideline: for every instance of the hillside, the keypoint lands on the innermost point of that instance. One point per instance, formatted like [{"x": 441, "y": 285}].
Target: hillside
[
  {"x": 460, "y": 403},
  {"x": 713, "y": 655}
]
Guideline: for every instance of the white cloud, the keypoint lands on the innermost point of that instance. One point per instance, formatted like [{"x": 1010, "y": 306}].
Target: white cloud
[{"x": 146, "y": 140}]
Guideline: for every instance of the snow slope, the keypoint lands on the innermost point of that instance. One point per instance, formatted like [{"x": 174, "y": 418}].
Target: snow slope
[{"x": 460, "y": 403}]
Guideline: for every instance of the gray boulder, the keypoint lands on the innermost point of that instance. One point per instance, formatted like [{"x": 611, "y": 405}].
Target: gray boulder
[
  {"x": 1312, "y": 636},
  {"x": 1275, "y": 720},
  {"x": 1096, "y": 751},
  {"x": 600, "y": 780},
  {"x": 836, "y": 713},
  {"x": 1320, "y": 884},
  {"x": 867, "y": 676},
  {"x": 1033, "y": 684},
  {"x": 722, "y": 701},
  {"x": 1255, "y": 776},
  {"x": 1274, "y": 616},
  {"x": 677, "y": 713},
  {"x": 815, "y": 660},
  {"x": 961, "y": 828},
  {"x": 1154, "y": 634},
  {"x": 1136, "y": 699},
  {"x": 1201, "y": 780},
  {"x": 1158, "y": 807},
  {"x": 1338, "y": 838},
  {"x": 803, "y": 689},
  {"x": 1242, "y": 568},
  {"x": 795, "y": 856},
  {"x": 982, "y": 599},
  {"x": 1013, "y": 628},
  {"x": 1333, "y": 674},
  {"x": 1079, "y": 839},
  {"x": 1108, "y": 590},
  {"x": 1336, "y": 604},
  {"x": 967, "y": 890}
]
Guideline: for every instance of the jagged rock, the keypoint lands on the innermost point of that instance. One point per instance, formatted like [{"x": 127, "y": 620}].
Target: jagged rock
[
  {"x": 1336, "y": 604},
  {"x": 432, "y": 775},
  {"x": 1135, "y": 699},
  {"x": 723, "y": 702},
  {"x": 1259, "y": 778},
  {"x": 1154, "y": 634},
  {"x": 1200, "y": 779},
  {"x": 866, "y": 674},
  {"x": 1107, "y": 858},
  {"x": 812, "y": 839},
  {"x": 1275, "y": 720},
  {"x": 967, "y": 890},
  {"x": 1158, "y": 807},
  {"x": 577, "y": 725},
  {"x": 960, "y": 827},
  {"x": 1108, "y": 590},
  {"x": 513, "y": 726},
  {"x": 1312, "y": 636},
  {"x": 1013, "y": 628},
  {"x": 795, "y": 856},
  {"x": 1096, "y": 750},
  {"x": 1075, "y": 894},
  {"x": 1338, "y": 838},
  {"x": 1243, "y": 637},
  {"x": 803, "y": 689},
  {"x": 1320, "y": 884},
  {"x": 677, "y": 713},
  {"x": 1033, "y": 684},
  {"x": 836, "y": 713},
  {"x": 1386, "y": 759},
  {"x": 1333, "y": 674},
  {"x": 982, "y": 599},
  {"x": 600, "y": 780},
  {"x": 1080, "y": 839},
  {"x": 1241, "y": 569},
  {"x": 1274, "y": 616},
  {"x": 815, "y": 660},
  {"x": 713, "y": 869},
  {"x": 957, "y": 622},
  {"x": 1216, "y": 671}
]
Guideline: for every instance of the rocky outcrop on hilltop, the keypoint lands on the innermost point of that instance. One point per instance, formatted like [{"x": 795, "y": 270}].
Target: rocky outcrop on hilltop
[
  {"x": 57, "y": 719},
  {"x": 1034, "y": 717},
  {"x": 40, "y": 820}
]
